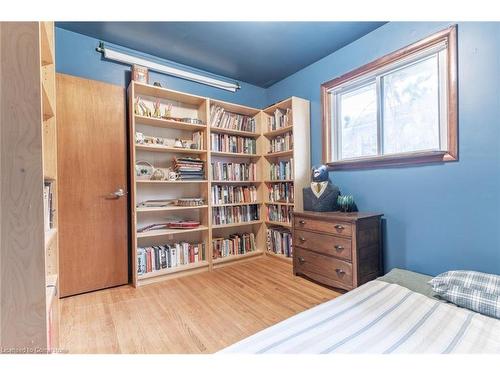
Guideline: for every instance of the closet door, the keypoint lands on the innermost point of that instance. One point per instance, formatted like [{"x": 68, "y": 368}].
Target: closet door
[{"x": 93, "y": 205}]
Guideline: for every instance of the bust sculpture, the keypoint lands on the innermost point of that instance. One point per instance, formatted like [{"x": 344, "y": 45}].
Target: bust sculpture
[{"x": 322, "y": 195}]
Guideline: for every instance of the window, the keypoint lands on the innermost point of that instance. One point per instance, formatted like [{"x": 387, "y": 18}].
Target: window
[{"x": 399, "y": 109}]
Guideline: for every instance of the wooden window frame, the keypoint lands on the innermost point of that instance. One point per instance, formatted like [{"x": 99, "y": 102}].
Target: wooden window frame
[{"x": 449, "y": 36}]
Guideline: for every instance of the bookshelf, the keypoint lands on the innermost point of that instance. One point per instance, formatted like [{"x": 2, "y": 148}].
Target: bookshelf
[
  {"x": 29, "y": 251},
  {"x": 49, "y": 157},
  {"x": 286, "y": 140},
  {"x": 234, "y": 151}
]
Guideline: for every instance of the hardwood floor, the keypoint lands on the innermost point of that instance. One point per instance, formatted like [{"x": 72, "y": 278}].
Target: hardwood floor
[{"x": 202, "y": 313}]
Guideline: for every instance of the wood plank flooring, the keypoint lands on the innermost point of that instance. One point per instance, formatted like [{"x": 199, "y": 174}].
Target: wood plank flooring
[{"x": 201, "y": 313}]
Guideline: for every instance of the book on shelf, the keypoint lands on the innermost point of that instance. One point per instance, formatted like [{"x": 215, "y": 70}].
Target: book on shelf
[
  {"x": 235, "y": 244},
  {"x": 281, "y": 143},
  {"x": 281, "y": 118},
  {"x": 189, "y": 168},
  {"x": 282, "y": 170},
  {"x": 233, "y": 143},
  {"x": 234, "y": 171},
  {"x": 48, "y": 206},
  {"x": 281, "y": 192},
  {"x": 198, "y": 140},
  {"x": 156, "y": 258},
  {"x": 235, "y": 214},
  {"x": 220, "y": 118},
  {"x": 224, "y": 194},
  {"x": 279, "y": 241},
  {"x": 280, "y": 214}
]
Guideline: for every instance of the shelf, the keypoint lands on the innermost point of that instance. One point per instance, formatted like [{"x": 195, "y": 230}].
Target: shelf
[
  {"x": 278, "y": 223},
  {"x": 47, "y": 108},
  {"x": 280, "y": 203},
  {"x": 46, "y": 45},
  {"x": 143, "y": 89},
  {"x": 280, "y": 257},
  {"x": 284, "y": 104},
  {"x": 167, "y": 271},
  {"x": 279, "y": 154},
  {"x": 276, "y": 181},
  {"x": 236, "y": 108},
  {"x": 169, "y": 208},
  {"x": 171, "y": 124},
  {"x": 160, "y": 148},
  {"x": 234, "y": 132},
  {"x": 234, "y": 182},
  {"x": 50, "y": 236},
  {"x": 235, "y": 204},
  {"x": 236, "y": 224},
  {"x": 277, "y": 132},
  {"x": 50, "y": 290},
  {"x": 231, "y": 258},
  {"x": 171, "y": 182},
  {"x": 235, "y": 154},
  {"x": 166, "y": 232}
]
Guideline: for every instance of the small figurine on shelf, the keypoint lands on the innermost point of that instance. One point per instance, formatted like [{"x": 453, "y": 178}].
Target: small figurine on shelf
[
  {"x": 346, "y": 203},
  {"x": 168, "y": 111},
  {"x": 137, "y": 106},
  {"x": 157, "y": 110}
]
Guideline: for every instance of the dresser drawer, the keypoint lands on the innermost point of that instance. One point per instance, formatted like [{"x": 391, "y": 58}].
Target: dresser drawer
[
  {"x": 331, "y": 227},
  {"x": 321, "y": 267},
  {"x": 339, "y": 247}
]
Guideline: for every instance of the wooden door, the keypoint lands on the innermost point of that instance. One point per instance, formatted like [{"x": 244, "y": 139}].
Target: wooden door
[{"x": 92, "y": 160}]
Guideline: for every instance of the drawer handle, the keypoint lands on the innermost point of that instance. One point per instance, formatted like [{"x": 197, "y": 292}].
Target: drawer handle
[
  {"x": 302, "y": 239},
  {"x": 339, "y": 248},
  {"x": 302, "y": 222},
  {"x": 301, "y": 260},
  {"x": 340, "y": 271},
  {"x": 339, "y": 227}
]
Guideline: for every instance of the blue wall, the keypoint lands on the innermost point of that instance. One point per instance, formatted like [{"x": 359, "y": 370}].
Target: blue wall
[
  {"x": 438, "y": 217},
  {"x": 76, "y": 55}
]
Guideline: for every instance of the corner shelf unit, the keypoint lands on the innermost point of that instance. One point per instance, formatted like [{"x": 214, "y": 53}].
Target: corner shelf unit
[
  {"x": 186, "y": 105},
  {"x": 30, "y": 312}
]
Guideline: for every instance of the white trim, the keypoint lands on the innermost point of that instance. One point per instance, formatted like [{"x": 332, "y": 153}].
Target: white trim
[{"x": 128, "y": 59}]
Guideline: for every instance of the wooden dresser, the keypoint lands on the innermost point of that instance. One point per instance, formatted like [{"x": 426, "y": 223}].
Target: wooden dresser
[{"x": 342, "y": 250}]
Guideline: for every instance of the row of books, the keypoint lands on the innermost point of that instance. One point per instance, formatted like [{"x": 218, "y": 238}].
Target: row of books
[
  {"x": 281, "y": 143},
  {"x": 48, "y": 206},
  {"x": 235, "y": 244},
  {"x": 281, "y": 192},
  {"x": 189, "y": 168},
  {"x": 282, "y": 170},
  {"x": 235, "y": 214},
  {"x": 234, "y": 171},
  {"x": 223, "y": 194},
  {"x": 220, "y": 118},
  {"x": 281, "y": 214},
  {"x": 155, "y": 258},
  {"x": 279, "y": 241},
  {"x": 233, "y": 143},
  {"x": 281, "y": 118}
]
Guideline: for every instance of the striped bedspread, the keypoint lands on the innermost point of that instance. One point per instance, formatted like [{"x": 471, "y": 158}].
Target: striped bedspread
[{"x": 378, "y": 317}]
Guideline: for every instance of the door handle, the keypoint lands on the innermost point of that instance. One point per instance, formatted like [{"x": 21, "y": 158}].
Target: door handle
[{"x": 119, "y": 193}]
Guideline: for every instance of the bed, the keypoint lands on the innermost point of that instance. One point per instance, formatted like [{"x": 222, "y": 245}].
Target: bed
[{"x": 396, "y": 313}]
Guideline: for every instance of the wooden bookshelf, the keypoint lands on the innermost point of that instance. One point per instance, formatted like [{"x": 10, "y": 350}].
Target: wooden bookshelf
[
  {"x": 186, "y": 105},
  {"x": 298, "y": 126},
  {"x": 49, "y": 138},
  {"x": 182, "y": 106},
  {"x": 29, "y": 251}
]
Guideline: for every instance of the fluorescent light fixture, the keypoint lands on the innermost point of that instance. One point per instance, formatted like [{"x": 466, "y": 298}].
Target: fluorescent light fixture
[{"x": 128, "y": 59}]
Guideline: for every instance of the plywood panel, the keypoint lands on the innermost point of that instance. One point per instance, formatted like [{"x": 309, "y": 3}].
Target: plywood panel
[{"x": 22, "y": 272}]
